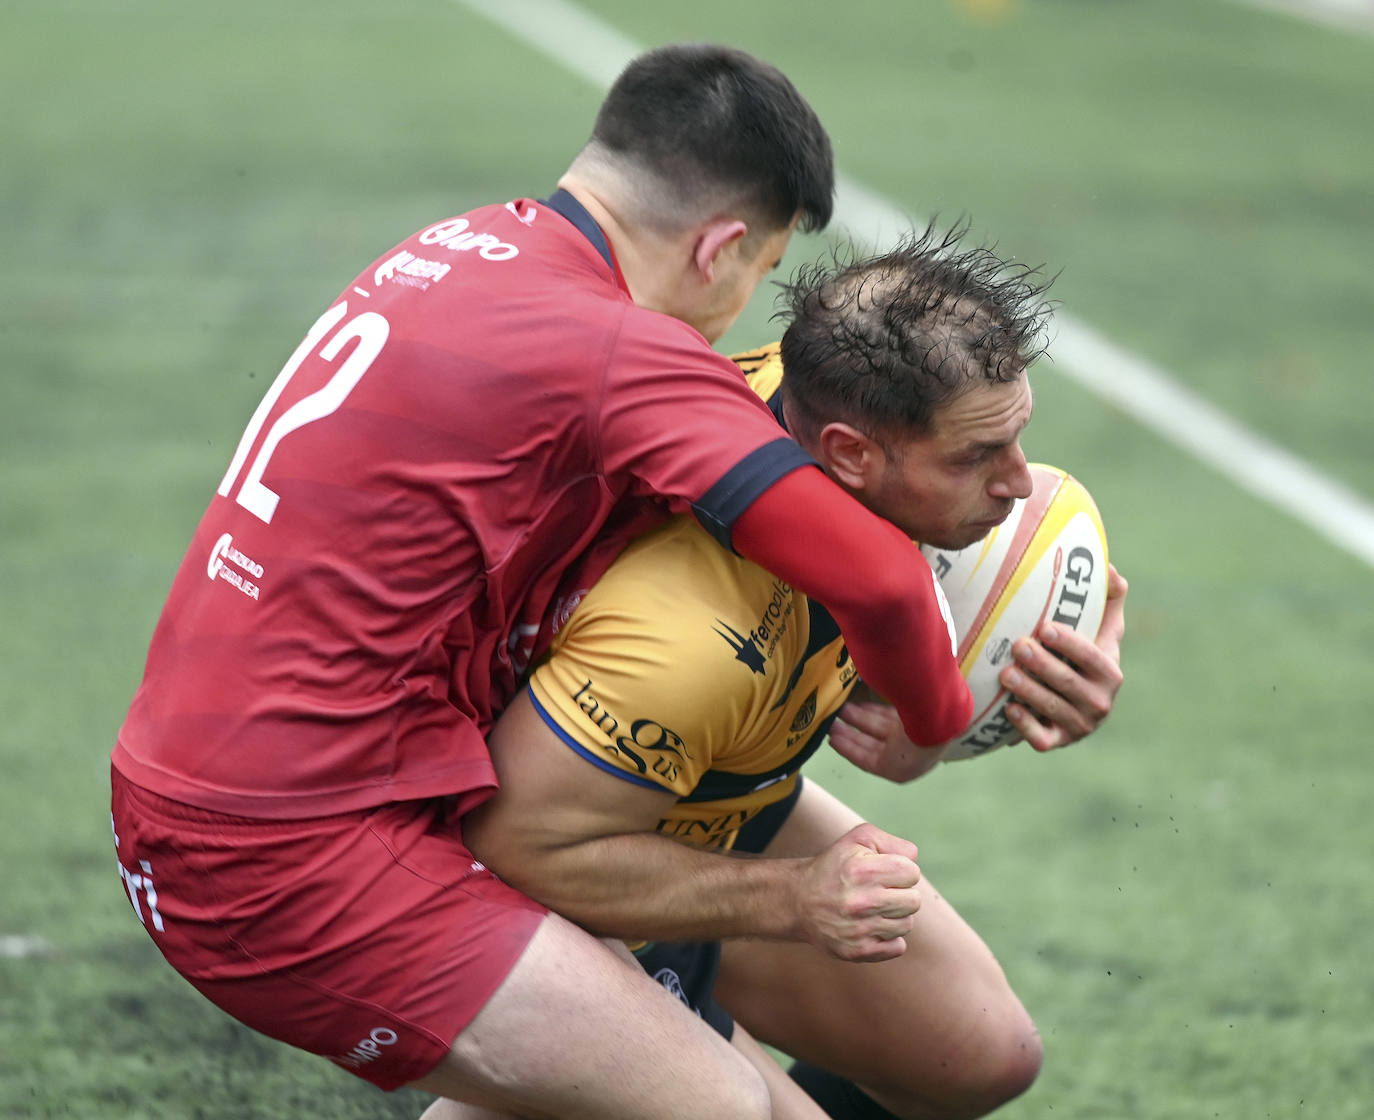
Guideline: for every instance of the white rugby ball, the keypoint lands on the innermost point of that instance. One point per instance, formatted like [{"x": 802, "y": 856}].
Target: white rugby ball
[{"x": 1046, "y": 562}]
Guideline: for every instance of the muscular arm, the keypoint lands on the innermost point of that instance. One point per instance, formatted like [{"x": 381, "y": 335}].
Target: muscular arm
[
  {"x": 581, "y": 841},
  {"x": 878, "y": 587}
]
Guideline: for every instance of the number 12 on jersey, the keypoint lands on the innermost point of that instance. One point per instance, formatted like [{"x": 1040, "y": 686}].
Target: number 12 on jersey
[{"x": 371, "y": 331}]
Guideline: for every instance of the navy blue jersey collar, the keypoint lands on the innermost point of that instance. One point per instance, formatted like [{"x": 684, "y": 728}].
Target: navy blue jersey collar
[
  {"x": 775, "y": 407},
  {"x": 576, "y": 213}
]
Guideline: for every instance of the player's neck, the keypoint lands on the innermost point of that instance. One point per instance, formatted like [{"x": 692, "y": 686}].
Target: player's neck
[{"x": 651, "y": 263}]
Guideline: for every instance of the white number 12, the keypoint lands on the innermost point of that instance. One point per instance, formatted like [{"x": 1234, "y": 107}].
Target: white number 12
[{"x": 371, "y": 331}]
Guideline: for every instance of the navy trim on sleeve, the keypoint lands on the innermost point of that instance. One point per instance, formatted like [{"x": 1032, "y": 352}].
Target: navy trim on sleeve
[
  {"x": 565, "y": 204},
  {"x": 746, "y": 480},
  {"x": 585, "y": 753}
]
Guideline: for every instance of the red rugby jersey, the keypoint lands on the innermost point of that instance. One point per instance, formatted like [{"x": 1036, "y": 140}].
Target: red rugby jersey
[{"x": 366, "y": 585}]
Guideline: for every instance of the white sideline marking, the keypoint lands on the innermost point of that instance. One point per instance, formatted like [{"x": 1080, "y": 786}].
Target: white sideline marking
[
  {"x": 16, "y": 946},
  {"x": 1345, "y": 15},
  {"x": 587, "y": 46},
  {"x": 578, "y": 40}
]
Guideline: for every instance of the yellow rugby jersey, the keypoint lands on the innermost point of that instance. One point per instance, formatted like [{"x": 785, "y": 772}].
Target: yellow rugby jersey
[
  {"x": 696, "y": 671},
  {"x": 762, "y": 368}
]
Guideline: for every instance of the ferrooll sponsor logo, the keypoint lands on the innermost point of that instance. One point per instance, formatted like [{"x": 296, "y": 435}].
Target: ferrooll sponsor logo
[
  {"x": 756, "y": 648},
  {"x": 368, "y": 1049}
]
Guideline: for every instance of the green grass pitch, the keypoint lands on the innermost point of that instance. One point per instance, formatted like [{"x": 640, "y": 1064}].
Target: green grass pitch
[{"x": 1182, "y": 902}]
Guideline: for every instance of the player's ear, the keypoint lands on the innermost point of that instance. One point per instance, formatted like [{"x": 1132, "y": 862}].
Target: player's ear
[
  {"x": 851, "y": 458},
  {"x": 712, "y": 239}
]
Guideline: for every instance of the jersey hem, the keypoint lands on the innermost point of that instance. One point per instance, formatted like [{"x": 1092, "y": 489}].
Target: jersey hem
[{"x": 456, "y": 781}]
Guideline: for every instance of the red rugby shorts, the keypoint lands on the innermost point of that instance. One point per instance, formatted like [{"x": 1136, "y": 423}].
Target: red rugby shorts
[{"x": 370, "y": 938}]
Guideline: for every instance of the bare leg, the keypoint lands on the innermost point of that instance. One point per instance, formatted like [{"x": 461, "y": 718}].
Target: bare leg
[
  {"x": 937, "y": 1032},
  {"x": 443, "y": 1109},
  {"x": 789, "y": 1101},
  {"x": 578, "y": 1031}
]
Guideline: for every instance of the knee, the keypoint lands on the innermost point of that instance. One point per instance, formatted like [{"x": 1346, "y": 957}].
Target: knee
[
  {"x": 974, "y": 1079},
  {"x": 747, "y": 1097},
  {"x": 1004, "y": 1070},
  {"x": 733, "y": 1087},
  {"x": 1010, "y": 1070},
  {"x": 1004, "y": 1064}
]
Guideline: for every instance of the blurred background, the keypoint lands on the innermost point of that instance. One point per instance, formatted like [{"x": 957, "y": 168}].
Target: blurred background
[{"x": 1183, "y": 901}]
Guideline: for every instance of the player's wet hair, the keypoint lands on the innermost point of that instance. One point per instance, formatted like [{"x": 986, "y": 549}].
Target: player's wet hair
[
  {"x": 882, "y": 342},
  {"x": 717, "y": 128}
]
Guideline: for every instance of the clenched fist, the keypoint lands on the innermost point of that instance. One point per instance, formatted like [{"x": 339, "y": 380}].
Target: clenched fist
[{"x": 858, "y": 898}]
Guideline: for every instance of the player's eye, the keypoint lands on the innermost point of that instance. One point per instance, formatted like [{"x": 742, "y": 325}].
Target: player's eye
[{"x": 977, "y": 456}]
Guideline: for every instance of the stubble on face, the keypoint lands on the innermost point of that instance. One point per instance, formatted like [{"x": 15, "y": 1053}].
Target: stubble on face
[{"x": 936, "y": 487}]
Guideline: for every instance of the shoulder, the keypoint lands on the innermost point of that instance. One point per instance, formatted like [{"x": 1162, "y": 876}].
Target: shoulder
[
  {"x": 550, "y": 307},
  {"x": 681, "y": 619},
  {"x": 666, "y": 340},
  {"x": 667, "y": 367},
  {"x": 667, "y": 588},
  {"x": 657, "y": 642},
  {"x": 516, "y": 246}
]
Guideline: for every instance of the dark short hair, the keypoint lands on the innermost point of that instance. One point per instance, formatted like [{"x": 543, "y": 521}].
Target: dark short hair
[
  {"x": 882, "y": 342},
  {"x": 703, "y": 118}
]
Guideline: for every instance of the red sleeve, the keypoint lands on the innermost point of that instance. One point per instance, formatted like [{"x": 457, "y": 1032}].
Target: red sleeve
[{"x": 877, "y": 585}]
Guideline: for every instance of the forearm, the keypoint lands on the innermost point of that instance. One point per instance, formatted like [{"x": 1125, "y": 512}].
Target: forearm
[
  {"x": 584, "y": 843},
  {"x": 647, "y": 886}
]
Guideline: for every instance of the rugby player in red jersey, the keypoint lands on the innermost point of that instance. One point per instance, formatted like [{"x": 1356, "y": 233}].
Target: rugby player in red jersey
[{"x": 481, "y": 404}]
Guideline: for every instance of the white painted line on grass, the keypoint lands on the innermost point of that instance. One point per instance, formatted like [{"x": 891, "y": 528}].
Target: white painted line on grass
[
  {"x": 584, "y": 44},
  {"x": 572, "y": 37},
  {"x": 1344, "y": 15},
  {"x": 1150, "y": 396},
  {"x": 16, "y": 946}
]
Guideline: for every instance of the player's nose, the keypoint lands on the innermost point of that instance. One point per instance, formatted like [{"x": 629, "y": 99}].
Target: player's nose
[{"x": 1014, "y": 479}]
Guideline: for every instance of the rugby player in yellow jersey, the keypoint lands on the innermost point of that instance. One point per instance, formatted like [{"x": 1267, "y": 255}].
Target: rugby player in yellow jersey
[{"x": 686, "y": 688}]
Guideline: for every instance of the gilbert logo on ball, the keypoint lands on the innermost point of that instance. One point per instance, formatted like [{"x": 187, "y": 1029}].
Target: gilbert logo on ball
[{"x": 1046, "y": 562}]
